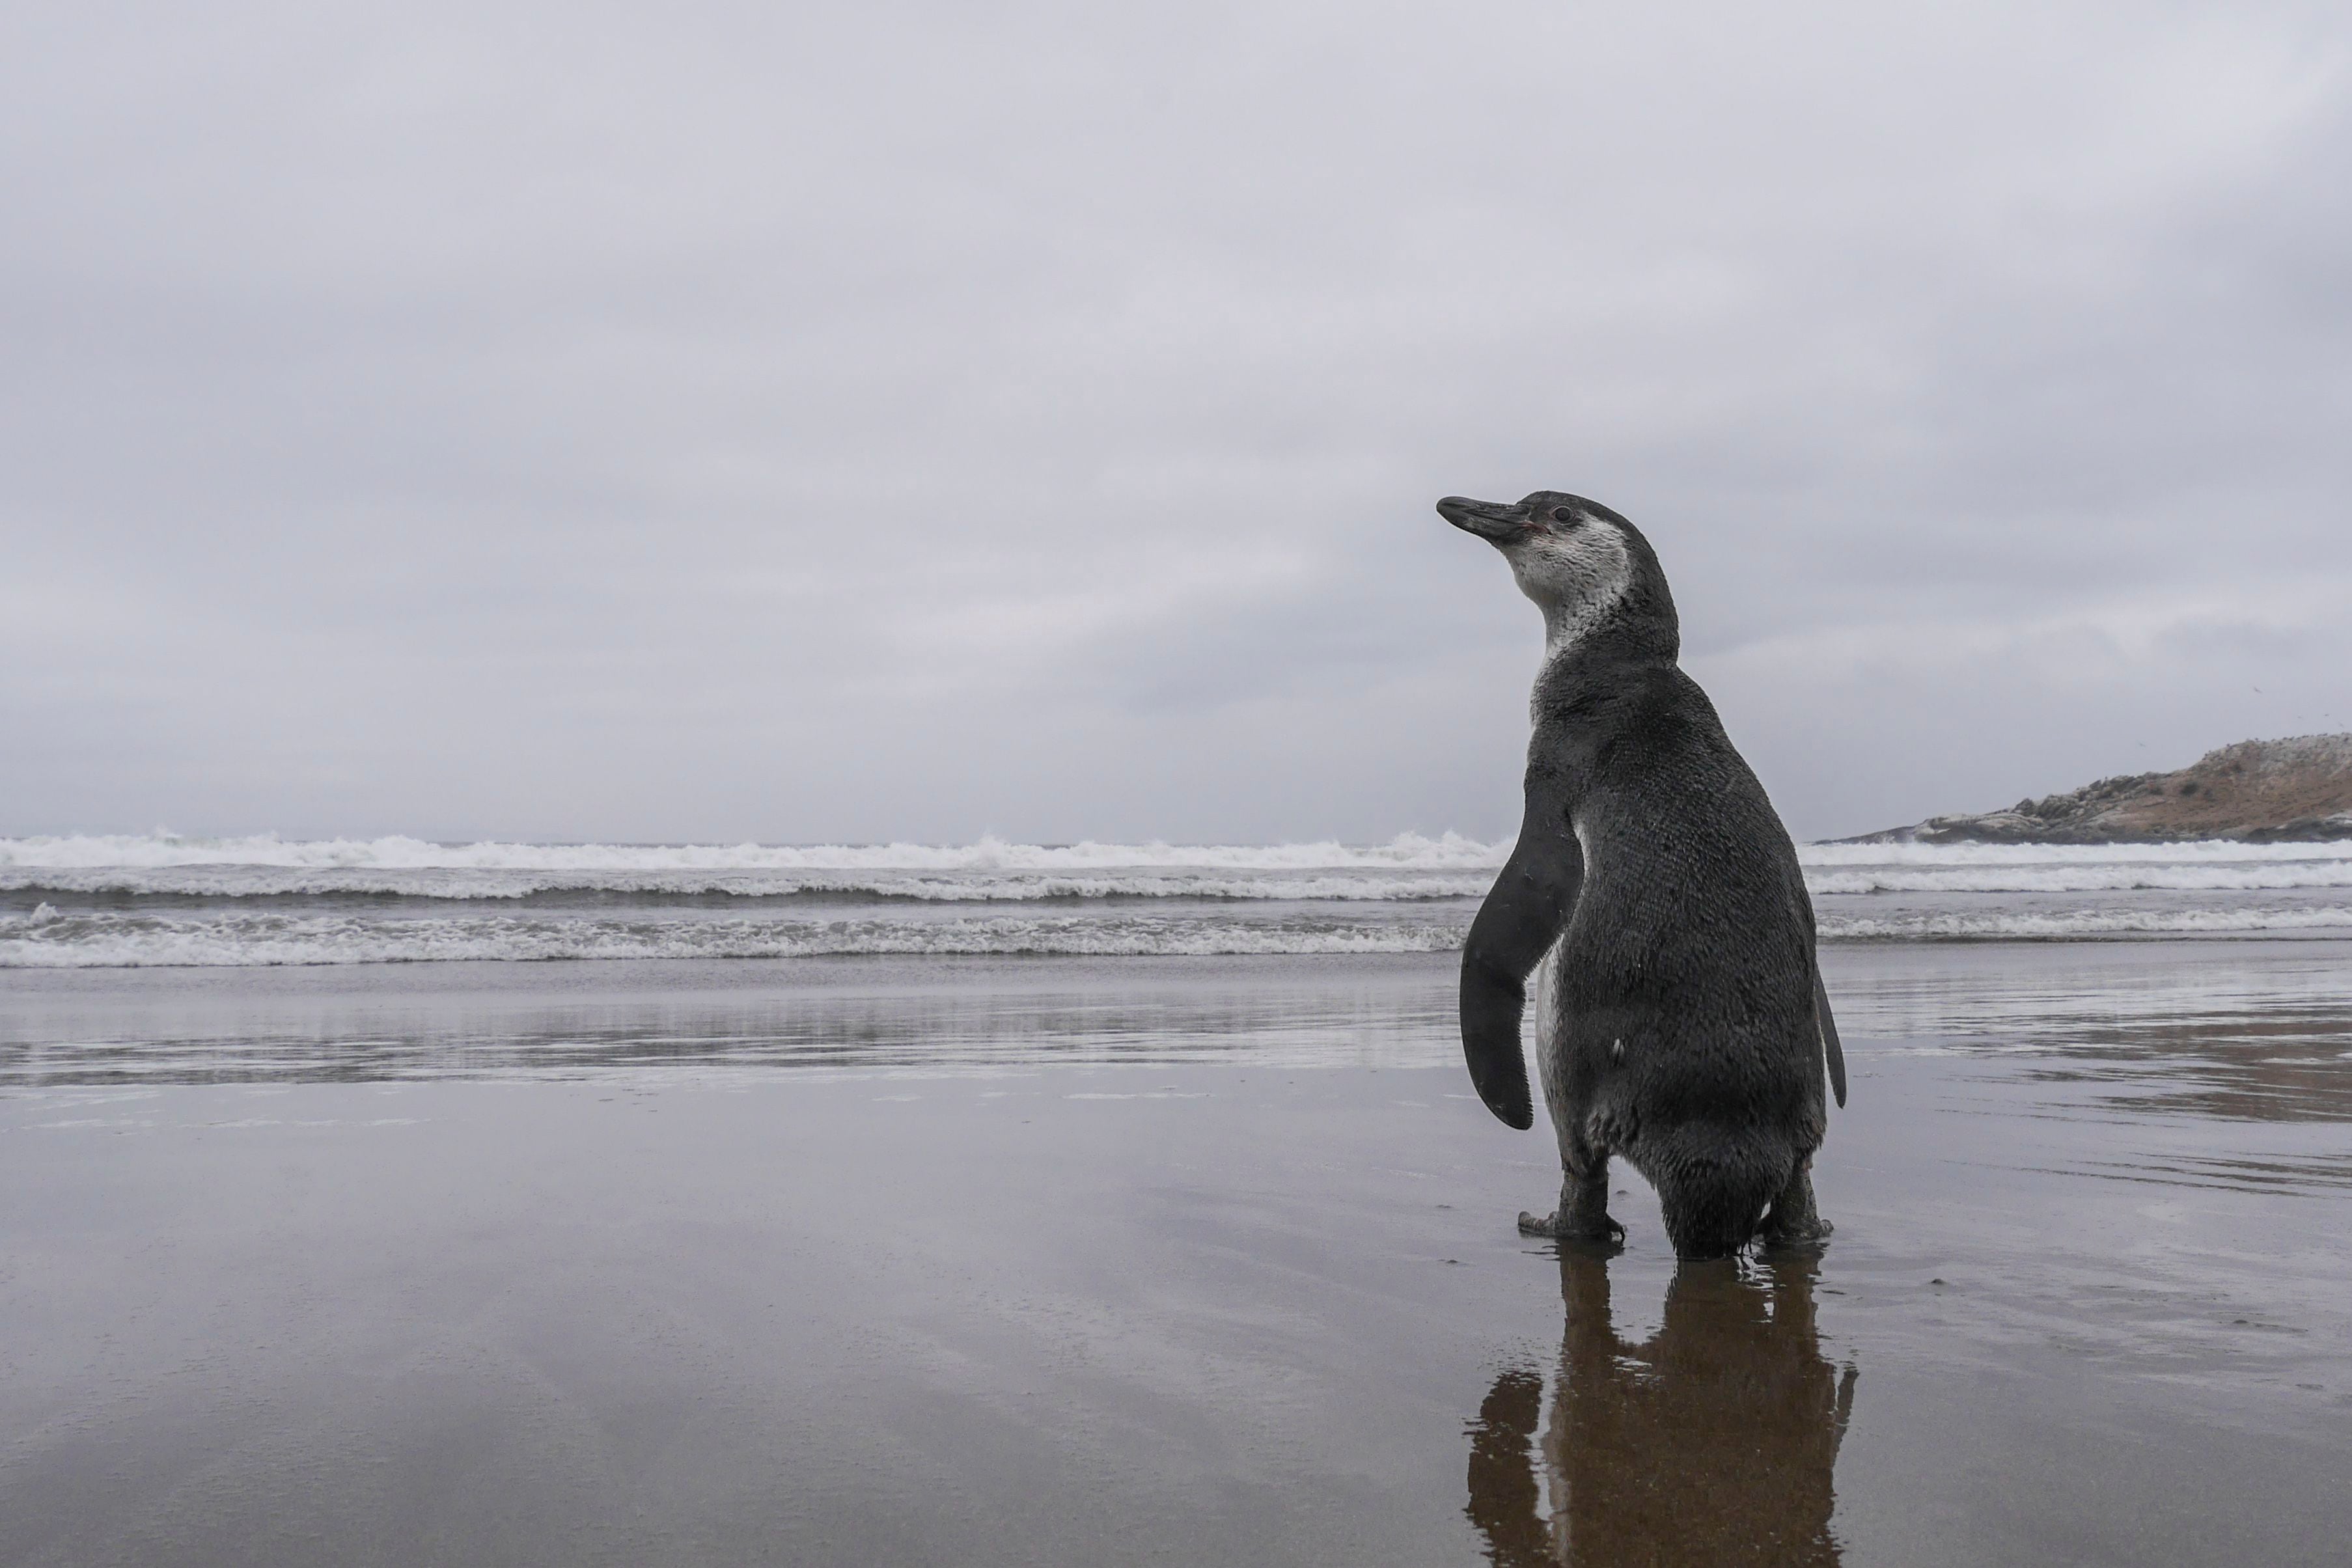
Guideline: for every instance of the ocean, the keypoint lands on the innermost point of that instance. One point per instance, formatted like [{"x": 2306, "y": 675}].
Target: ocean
[{"x": 163, "y": 900}]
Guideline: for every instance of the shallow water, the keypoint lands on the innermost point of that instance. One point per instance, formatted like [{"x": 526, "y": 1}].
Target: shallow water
[
  {"x": 2243, "y": 1027},
  {"x": 1146, "y": 1260}
]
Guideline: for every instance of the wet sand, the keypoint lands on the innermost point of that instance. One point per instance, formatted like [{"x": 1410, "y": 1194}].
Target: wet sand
[{"x": 1147, "y": 1262}]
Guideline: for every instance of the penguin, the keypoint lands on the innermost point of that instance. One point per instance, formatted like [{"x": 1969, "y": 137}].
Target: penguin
[{"x": 1681, "y": 1019}]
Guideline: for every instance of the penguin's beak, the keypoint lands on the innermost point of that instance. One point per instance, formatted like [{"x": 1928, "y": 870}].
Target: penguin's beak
[{"x": 1487, "y": 520}]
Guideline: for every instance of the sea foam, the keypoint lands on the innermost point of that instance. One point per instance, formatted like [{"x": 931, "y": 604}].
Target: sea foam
[
  {"x": 141, "y": 941},
  {"x": 1406, "y": 850},
  {"x": 1410, "y": 866},
  {"x": 87, "y": 900}
]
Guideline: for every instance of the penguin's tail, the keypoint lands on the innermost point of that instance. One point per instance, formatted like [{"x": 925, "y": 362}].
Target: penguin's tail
[{"x": 1714, "y": 1183}]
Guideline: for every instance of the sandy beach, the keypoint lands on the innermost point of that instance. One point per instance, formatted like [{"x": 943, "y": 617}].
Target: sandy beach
[{"x": 1147, "y": 1261}]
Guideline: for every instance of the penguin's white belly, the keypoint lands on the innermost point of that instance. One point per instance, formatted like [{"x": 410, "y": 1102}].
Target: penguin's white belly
[{"x": 1546, "y": 1000}]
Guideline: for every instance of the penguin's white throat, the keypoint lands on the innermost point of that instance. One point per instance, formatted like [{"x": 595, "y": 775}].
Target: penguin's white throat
[{"x": 1577, "y": 578}]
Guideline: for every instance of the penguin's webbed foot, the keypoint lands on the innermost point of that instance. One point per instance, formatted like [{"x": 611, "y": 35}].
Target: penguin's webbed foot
[
  {"x": 1601, "y": 1230},
  {"x": 1778, "y": 1235},
  {"x": 1795, "y": 1220},
  {"x": 1583, "y": 1218}
]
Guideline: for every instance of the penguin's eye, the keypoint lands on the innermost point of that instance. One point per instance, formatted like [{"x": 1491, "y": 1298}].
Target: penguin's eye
[{"x": 1562, "y": 515}]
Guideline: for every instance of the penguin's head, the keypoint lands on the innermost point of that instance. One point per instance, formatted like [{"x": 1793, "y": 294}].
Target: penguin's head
[{"x": 1588, "y": 570}]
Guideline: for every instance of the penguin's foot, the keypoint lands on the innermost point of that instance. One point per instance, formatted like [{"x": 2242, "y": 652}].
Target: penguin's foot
[
  {"x": 1795, "y": 1221},
  {"x": 1810, "y": 1231},
  {"x": 1573, "y": 1228}
]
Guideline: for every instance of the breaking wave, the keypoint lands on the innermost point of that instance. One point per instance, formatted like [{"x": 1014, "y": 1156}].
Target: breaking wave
[
  {"x": 117, "y": 851},
  {"x": 1408, "y": 867},
  {"x": 95, "y": 901},
  {"x": 2116, "y": 876},
  {"x": 974, "y": 887}
]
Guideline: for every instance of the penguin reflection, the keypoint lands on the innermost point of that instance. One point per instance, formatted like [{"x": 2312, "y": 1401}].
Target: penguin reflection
[{"x": 1713, "y": 1443}]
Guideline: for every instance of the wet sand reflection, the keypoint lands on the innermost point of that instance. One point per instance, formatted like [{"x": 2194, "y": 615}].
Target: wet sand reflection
[{"x": 1713, "y": 1442}]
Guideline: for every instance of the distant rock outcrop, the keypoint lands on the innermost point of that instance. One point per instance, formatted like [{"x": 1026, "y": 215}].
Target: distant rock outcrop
[{"x": 2263, "y": 791}]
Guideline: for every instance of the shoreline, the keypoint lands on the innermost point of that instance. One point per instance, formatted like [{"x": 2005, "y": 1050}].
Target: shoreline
[{"x": 824, "y": 968}]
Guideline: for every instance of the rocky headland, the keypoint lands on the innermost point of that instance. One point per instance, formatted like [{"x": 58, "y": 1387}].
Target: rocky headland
[{"x": 2261, "y": 791}]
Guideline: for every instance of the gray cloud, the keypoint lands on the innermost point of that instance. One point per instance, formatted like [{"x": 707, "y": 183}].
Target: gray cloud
[{"x": 908, "y": 422}]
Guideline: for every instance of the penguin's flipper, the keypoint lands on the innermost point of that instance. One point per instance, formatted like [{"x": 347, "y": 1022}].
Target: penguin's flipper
[
  {"x": 1522, "y": 917},
  {"x": 1831, "y": 1051}
]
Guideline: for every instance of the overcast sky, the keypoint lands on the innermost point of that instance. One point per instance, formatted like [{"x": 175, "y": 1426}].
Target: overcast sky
[{"x": 882, "y": 421}]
